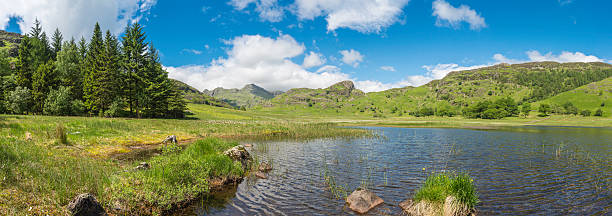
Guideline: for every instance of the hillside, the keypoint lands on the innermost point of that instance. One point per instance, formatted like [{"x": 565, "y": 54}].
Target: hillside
[
  {"x": 528, "y": 82},
  {"x": 593, "y": 96},
  {"x": 334, "y": 96},
  {"x": 192, "y": 95},
  {"x": 247, "y": 96},
  {"x": 9, "y": 43}
]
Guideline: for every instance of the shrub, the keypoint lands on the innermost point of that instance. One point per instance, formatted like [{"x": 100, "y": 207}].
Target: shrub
[
  {"x": 544, "y": 109},
  {"x": 116, "y": 109},
  {"x": 19, "y": 100},
  {"x": 58, "y": 102},
  {"x": 585, "y": 113},
  {"x": 425, "y": 111},
  {"x": 598, "y": 112}
]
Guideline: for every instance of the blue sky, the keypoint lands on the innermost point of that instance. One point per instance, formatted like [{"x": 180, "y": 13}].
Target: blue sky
[{"x": 378, "y": 44}]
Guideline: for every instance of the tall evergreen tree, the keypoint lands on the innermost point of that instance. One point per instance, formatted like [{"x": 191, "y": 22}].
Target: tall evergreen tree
[
  {"x": 134, "y": 64},
  {"x": 56, "y": 42},
  {"x": 43, "y": 80},
  {"x": 36, "y": 30},
  {"x": 95, "y": 66},
  {"x": 68, "y": 67},
  {"x": 158, "y": 86}
]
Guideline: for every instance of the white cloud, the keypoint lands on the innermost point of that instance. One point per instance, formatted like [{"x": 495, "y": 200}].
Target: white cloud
[
  {"x": 388, "y": 68},
  {"x": 351, "y": 57},
  {"x": 261, "y": 60},
  {"x": 269, "y": 10},
  {"x": 363, "y": 16},
  {"x": 563, "y": 57},
  {"x": 75, "y": 18},
  {"x": 313, "y": 59},
  {"x": 564, "y": 2},
  {"x": 192, "y": 51},
  {"x": 447, "y": 15}
]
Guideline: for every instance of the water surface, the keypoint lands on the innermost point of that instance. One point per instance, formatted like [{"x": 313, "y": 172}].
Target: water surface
[{"x": 517, "y": 171}]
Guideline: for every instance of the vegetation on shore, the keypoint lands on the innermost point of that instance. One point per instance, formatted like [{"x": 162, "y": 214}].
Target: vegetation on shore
[{"x": 448, "y": 194}]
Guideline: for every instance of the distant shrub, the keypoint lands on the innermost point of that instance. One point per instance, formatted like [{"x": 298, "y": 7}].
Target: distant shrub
[
  {"x": 58, "y": 102},
  {"x": 544, "y": 110},
  {"x": 585, "y": 113},
  {"x": 425, "y": 111},
  {"x": 116, "y": 109},
  {"x": 598, "y": 112},
  {"x": 19, "y": 100}
]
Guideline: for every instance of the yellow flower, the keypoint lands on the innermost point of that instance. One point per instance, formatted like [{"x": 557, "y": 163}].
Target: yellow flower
[{"x": 423, "y": 168}]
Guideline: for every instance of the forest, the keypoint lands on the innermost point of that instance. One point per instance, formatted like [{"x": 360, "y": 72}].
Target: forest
[{"x": 106, "y": 76}]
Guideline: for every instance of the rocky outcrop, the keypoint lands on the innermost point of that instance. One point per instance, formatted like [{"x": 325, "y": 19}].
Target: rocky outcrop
[
  {"x": 450, "y": 207},
  {"x": 85, "y": 205},
  {"x": 361, "y": 200},
  {"x": 239, "y": 153}
]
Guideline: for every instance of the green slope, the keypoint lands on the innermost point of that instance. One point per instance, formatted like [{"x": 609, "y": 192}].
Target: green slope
[
  {"x": 593, "y": 96},
  {"x": 248, "y": 96},
  {"x": 192, "y": 95}
]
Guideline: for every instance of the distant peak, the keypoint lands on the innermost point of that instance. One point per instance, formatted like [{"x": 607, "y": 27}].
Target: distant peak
[{"x": 347, "y": 84}]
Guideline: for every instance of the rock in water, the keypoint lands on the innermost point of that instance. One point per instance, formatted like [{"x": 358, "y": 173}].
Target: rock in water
[
  {"x": 170, "y": 139},
  {"x": 264, "y": 167},
  {"x": 261, "y": 175},
  {"x": 85, "y": 205},
  {"x": 361, "y": 200},
  {"x": 239, "y": 153}
]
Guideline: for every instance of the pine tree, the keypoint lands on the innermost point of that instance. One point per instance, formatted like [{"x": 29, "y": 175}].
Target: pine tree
[
  {"x": 134, "y": 66},
  {"x": 44, "y": 79},
  {"x": 68, "y": 68},
  {"x": 108, "y": 79},
  {"x": 158, "y": 86},
  {"x": 36, "y": 29},
  {"x": 56, "y": 42},
  {"x": 25, "y": 63},
  {"x": 95, "y": 64}
]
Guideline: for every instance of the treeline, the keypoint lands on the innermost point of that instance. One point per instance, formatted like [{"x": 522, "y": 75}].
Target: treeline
[
  {"x": 548, "y": 83},
  {"x": 105, "y": 77}
]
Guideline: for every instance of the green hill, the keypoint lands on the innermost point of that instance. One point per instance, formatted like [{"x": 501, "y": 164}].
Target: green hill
[
  {"x": 192, "y": 95},
  {"x": 248, "y": 96},
  {"x": 9, "y": 43},
  {"x": 528, "y": 82},
  {"x": 593, "y": 96}
]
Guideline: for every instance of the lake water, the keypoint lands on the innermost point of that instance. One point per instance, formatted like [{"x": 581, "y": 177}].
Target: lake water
[{"x": 517, "y": 171}]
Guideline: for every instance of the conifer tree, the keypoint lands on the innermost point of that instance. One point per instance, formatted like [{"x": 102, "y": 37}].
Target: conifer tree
[
  {"x": 94, "y": 66},
  {"x": 56, "y": 42},
  {"x": 134, "y": 66},
  {"x": 43, "y": 80},
  {"x": 158, "y": 86},
  {"x": 68, "y": 67}
]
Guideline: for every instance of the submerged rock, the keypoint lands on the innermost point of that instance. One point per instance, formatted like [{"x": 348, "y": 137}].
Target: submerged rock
[
  {"x": 85, "y": 205},
  {"x": 239, "y": 153},
  {"x": 143, "y": 166},
  {"x": 361, "y": 200},
  {"x": 450, "y": 207},
  {"x": 260, "y": 175},
  {"x": 264, "y": 167}
]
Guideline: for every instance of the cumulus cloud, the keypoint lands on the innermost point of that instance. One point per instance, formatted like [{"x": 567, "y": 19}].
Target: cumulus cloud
[
  {"x": 261, "y": 60},
  {"x": 388, "y": 68},
  {"x": 563, "y": 57},
  {"x": 351, "y": 57},
  {"x": 74, "y": 18},
  {"x": 313, "y": 60},
  {"x": 269, "y": 10},
  {"x": 363, "y": 16},
  {"x": 447, "y": 15}
]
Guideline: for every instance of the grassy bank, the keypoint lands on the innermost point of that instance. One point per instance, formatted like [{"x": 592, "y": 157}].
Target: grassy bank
[
  {"x": 438, "y": 187},
  {"x": 40, "y": 176}
]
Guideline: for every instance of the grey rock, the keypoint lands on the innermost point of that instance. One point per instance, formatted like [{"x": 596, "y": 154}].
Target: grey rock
[{"x": 85, "y": 205}]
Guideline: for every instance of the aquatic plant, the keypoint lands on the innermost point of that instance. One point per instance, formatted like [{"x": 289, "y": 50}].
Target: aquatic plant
[{"x": 439, "y": 186}]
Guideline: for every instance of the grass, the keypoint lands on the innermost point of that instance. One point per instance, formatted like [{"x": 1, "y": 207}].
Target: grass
[
  {"x": 174, "y": 177},
  {"x": 441, "y": 185}
]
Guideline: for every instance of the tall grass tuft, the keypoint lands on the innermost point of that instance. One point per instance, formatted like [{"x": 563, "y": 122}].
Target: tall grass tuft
[
  {"x": 60, "y": 134},
  {"x": 441, "y": 185}
]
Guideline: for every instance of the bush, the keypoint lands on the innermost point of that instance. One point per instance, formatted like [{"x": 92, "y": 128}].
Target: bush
[
  {"x": 58, "y": 102},
  {"x": 585, "y": 113},
  {"x": 598, "y": 112},
  {"x": 425, "y": 111},
  {"x": 116, "y": 109},
  {"x": 19, "y": 100},
  {"x": 544, "y": 110}
]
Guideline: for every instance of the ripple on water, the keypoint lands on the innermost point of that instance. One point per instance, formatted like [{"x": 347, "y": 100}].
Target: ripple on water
[{"x": 521, "y": 171}]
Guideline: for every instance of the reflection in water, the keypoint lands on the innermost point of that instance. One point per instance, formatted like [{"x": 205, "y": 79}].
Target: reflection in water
[{"x": 524, "y": 171}]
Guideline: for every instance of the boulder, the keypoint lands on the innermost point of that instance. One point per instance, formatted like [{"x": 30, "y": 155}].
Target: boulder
[
  {"x": 28, "y": 136},
  {"x": 261, "y": 175},
  {"x": 85, "y": 205},
  {"x": 143, "y": 166},
  {"x": 450, "y": 207},
  {"x": 362, "y": 200},
  {"x": 239, "y": 153},
  {"x": 421, "y": 208},
  {"x": 264, "y": 167},
  {"x": 170, "y": 139}
]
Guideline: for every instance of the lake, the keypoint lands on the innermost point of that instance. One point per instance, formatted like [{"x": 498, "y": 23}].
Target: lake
[{"x": 517, "y": 171}]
